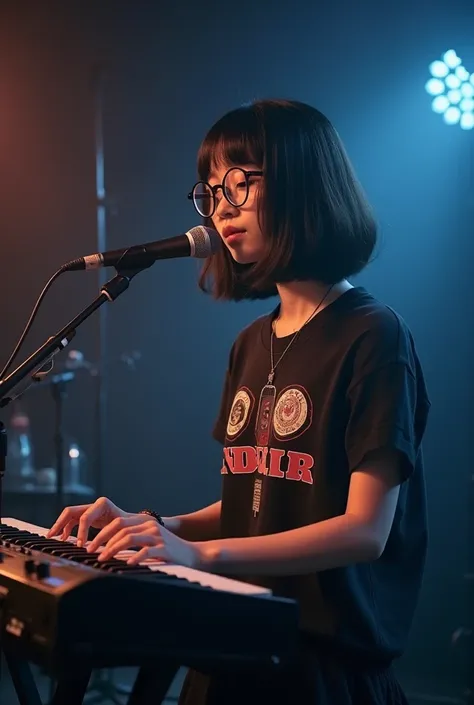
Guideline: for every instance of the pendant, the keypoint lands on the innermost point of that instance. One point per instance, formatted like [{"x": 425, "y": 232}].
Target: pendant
[
  {"x": 263, "y": 429},
  {"x": 265, "y": 413}
]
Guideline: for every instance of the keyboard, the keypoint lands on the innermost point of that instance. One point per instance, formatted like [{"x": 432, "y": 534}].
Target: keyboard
[{"x": 60, "y": 605}]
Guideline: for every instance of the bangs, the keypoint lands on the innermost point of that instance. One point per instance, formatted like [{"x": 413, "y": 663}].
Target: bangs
[{"x": 236, "y": 139}]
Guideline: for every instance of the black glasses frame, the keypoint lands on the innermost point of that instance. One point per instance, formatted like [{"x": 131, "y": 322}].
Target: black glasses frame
[{"x": 213, "y": 190}]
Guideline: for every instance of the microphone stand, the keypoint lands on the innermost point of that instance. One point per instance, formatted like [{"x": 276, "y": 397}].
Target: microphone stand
[{"x": 109, "y": 292}]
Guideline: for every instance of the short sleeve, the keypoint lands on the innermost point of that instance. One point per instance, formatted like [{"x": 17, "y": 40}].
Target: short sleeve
[
  {"x": 382, "y": 416},
  {"x": 387, "y": 399}
]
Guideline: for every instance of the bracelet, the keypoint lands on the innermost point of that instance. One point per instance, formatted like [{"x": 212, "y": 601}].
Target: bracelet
[{"x": 154, "y": 515}]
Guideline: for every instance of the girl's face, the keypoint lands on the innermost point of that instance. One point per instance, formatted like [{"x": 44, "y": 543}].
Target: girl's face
[{"x": 239, "y": 226}]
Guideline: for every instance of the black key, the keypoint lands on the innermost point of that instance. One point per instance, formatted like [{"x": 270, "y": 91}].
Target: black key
[
  {"x": 88, "y": 559},
  {"x": 44, "y": 545},
  {"x": 68, "y": 549},
  {"x": 33, "y": 542},
  {"x": 122, "y": 567},
  {"x": 18, "y": 536},
  {"x": 7, "y": 530},
  {"x": 70, "y": 555}
]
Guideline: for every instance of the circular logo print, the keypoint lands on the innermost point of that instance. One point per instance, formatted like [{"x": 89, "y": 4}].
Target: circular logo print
[
  {"x": 239, "y": 413},
  {"x": 293, "y": 411}
]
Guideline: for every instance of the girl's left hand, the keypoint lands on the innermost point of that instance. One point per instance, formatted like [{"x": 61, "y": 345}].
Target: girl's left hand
[{"x": 157, "y": 542}]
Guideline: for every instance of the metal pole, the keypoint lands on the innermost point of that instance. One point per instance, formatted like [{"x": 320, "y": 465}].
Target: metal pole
[{"x": 98, "y": 80}]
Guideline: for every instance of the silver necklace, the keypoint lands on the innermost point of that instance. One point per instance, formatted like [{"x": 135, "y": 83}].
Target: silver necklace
[{"x": 263, "y": 425}]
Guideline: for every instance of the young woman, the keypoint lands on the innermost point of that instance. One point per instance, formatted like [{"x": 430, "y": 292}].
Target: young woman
[{"x": 321, "y": 421}]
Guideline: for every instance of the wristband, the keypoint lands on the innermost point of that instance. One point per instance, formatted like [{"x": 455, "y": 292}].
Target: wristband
[{"x": 154, "y": 515}]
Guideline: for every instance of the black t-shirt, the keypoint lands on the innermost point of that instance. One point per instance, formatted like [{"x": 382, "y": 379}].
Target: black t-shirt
[{"x": 350, "y": 384}]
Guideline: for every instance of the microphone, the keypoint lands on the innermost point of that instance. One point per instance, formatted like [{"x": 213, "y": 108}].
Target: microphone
[{"x": 198, "y": 242}]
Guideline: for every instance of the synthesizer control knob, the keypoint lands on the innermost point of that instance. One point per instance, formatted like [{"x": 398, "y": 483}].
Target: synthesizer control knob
[
  {"x": 42, "y": 570},
  {"x": 30, "y": 567}
]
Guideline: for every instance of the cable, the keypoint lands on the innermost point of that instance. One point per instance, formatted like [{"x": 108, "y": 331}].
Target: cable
[{"x": 30, "y": 322}]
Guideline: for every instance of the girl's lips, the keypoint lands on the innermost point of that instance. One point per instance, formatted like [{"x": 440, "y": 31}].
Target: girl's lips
[
  {"x": 235, "y": 236},
  {"x": 230, "y": 230}
]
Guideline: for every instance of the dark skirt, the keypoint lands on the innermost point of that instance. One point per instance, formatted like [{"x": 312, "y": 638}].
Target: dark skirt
[{"x": 317, "y": 679}]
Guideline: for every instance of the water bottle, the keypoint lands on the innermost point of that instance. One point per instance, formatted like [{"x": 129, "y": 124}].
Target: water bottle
[
  {"x": 73, "y": 466},
  {"x": 75, "y": 469},
  {"x": 20, "y": 474}
]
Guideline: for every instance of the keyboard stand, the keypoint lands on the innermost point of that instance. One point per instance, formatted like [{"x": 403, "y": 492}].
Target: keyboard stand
[
  {"x": 153, "y": 683},
  {"x": 150, "y": 688},
  {"x": 70, "y": 689},
  {"x": 23, "y": 681}
]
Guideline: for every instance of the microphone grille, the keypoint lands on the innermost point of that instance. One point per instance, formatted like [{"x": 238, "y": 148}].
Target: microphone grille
[{"x": 204, "y": 241}]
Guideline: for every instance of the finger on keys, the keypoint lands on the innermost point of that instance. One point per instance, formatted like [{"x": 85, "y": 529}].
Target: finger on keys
[
  {"x": 116, "y": 529},
  {"x": 138, "y": 539},
  {"x": 156, "y": 552},
  {"x": 125, "y": 539},
  {"x": 67, "y": 530},
  {"x": 92, "y": 513},
  {"x": 63, "y": 519},
  {"x": 138, "y": 556},
  {"x": 57, "y": 526}
]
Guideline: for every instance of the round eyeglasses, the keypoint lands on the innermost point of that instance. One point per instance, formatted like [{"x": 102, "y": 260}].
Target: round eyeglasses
[{"x": 235, "y": 186}]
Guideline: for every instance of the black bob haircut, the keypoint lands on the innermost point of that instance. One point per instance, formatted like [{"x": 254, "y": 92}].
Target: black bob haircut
[{"x": 313, "y": 212}]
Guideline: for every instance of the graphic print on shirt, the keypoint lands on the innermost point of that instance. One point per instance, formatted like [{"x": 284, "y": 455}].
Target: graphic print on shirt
[
  {"x": 293, "y": 413},
  {"x": 240, "y": 412},
  {"x": 292, "y": 416},
  {"x": 290, "y": 465}
]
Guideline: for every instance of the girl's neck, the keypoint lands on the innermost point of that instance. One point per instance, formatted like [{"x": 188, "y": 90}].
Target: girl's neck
[{"x": 299, "y": 301}]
